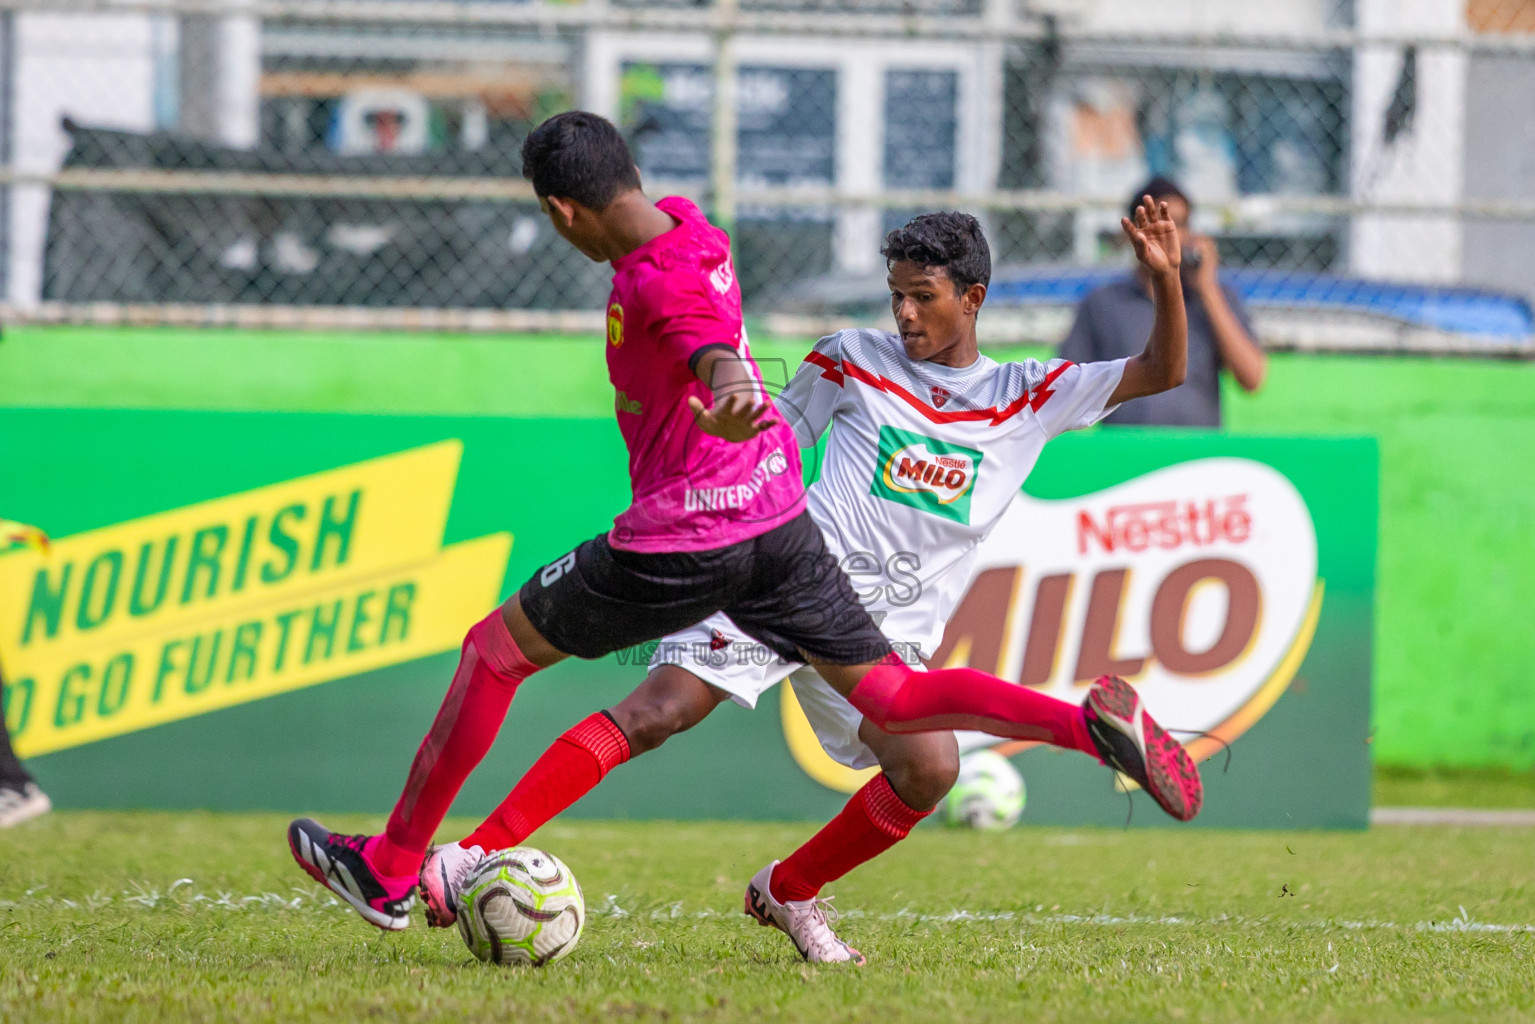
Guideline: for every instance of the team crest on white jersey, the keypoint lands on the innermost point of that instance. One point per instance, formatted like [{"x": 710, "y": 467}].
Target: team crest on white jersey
[
  {"x": 926, "y": 473},
  {"x": 940, "y": 396}
]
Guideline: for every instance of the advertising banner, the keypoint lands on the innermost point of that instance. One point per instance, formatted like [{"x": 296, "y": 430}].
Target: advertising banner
[{"x": 263, "y": 611}]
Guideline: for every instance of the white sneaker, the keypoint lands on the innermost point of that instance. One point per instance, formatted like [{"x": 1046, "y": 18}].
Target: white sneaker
[
  {"x": 803, "y": 921},
  {"x": 442, "y": 875},
  {"x": 24, "y": 804}
]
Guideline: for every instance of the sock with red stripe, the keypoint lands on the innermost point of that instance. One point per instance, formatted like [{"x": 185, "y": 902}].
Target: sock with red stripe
[
  {"x": 898, "y": 698},
  {"x": 490, "y": 668},
  {"x": 873, "y": 821},
  {"x": 572, "y": 766}
]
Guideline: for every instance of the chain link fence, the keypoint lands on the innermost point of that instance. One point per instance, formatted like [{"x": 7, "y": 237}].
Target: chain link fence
[{"x": 1364, "y": 165}]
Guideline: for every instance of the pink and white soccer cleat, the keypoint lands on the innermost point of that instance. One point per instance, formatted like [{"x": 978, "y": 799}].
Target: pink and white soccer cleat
[
  {"x": 803, "y": 921},
  {"x": 1131, "y": 742},
  {"x": 23, "y": 802},
  {"x": 442, "y": 876}
]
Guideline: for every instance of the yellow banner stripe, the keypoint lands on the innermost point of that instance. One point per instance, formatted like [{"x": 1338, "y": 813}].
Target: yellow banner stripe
[
  {"x": 220, "y": 557},
  {"x": 65, "y": 698}
]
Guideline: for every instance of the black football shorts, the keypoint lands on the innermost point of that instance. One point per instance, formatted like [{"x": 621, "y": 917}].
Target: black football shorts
[{"x": 783, "y": 588}]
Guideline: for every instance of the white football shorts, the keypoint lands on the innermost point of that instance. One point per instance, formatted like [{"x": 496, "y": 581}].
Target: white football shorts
[{"x": 717, "y": 652}]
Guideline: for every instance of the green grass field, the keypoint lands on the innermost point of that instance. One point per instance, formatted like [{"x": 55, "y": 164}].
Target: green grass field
[{"x": 196, "y": 917}]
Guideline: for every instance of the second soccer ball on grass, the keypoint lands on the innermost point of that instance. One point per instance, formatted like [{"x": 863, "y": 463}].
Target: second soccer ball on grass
[
  {"x": 521, "y": 906},
  {"x": 989, "y": 793}
]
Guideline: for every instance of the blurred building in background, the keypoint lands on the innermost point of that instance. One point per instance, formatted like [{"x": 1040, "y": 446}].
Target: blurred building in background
[{"x": 1367, "y": 162}]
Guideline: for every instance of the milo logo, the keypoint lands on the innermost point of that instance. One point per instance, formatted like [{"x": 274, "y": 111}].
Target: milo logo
[
  {"x": 1196, "y": 582},
  {"x": 914, "y": 469},
  {"x": 926, "y": 473}
]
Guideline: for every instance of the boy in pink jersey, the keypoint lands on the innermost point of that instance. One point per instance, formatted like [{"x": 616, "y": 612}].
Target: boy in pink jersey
[{"x": 717, "y": 524}]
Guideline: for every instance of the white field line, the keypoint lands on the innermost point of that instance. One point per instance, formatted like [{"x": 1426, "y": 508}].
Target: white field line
[
  {"x": 1452, "y": 816},
  {"x": 1463, "y": 923},
  {"x": 142, "y": 897},
  {"x": 178, "y": 896}
]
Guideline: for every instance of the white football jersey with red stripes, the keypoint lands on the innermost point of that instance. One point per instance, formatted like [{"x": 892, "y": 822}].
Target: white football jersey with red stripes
[{"x": 923, "y": 461}]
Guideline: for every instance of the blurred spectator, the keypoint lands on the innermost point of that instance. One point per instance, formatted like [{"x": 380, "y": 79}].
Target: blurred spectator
[
  {"x": 20, "y": 799},
  {"x": 1113, "y": 322}
]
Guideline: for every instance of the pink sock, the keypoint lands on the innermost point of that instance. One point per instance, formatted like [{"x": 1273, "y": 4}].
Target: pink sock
[
  {"x": 489, "y": 671},
  {"x": 377, "y": 858},
  {"x": 898, "y": 698}
]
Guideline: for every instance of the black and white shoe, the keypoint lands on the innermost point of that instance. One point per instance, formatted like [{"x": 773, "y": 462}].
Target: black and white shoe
[{"x": 337, "y": 862}]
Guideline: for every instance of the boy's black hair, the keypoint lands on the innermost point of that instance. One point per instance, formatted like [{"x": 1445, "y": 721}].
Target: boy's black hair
[
  {"x": 952, "y": 240},
  {"x": 1159, "y": 188},
  {"x": 581, "y": 157}
]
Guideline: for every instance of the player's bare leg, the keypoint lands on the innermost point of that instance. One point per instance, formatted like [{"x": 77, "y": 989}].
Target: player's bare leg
[
  {"x": 1113, "y": 725},
  {"x": 917, "y": 769},
  {"x": 670, "y": 700},
  {"x": 378, "y": 875},
  {"x": 921, "y": 767}
]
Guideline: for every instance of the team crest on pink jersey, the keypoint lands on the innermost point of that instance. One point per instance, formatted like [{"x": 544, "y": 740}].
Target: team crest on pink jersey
[
  {"x": 615, "y": 324},
  {"x": 940, "y": 396}
]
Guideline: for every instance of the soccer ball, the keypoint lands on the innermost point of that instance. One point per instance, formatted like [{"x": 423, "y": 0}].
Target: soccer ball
[
  {"x": 521, "y": 906},
  {"x": 988, "y": 794}
]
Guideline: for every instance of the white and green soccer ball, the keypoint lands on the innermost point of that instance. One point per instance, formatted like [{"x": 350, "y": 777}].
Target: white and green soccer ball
[
  {"x": 988, "y": 794},
  {"x": 521, "y": 906}
]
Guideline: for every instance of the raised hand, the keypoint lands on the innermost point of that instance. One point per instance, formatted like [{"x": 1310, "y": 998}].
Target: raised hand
[
  {"x": 735, "y": 417},
  {"x": 1154, "y": 236}
]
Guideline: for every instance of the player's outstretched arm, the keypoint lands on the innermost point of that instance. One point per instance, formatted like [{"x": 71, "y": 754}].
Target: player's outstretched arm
[
  {"x": 1164, "y": 363},
  {"x": 740, "y": 410}
]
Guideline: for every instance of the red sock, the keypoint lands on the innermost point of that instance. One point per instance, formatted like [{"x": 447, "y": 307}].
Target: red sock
[
  {"x": 898, "y": 698},
  {"x": 575, "y": 763},
  {"x": 873, "y": 821},
  {"x": 489, "y": 671}
]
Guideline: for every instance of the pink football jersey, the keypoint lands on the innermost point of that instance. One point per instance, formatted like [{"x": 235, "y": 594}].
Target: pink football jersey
[{"x": 673, "y": 297}]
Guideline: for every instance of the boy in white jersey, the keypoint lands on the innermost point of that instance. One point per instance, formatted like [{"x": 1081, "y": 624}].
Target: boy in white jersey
[{"x": 932, "y": 443}]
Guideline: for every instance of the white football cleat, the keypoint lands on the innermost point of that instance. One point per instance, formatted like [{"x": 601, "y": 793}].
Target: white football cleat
[
  {"x": 22, "y": 803},
  {"x": 442, "y": 875},
  {"x": 803, "y": 921}
]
